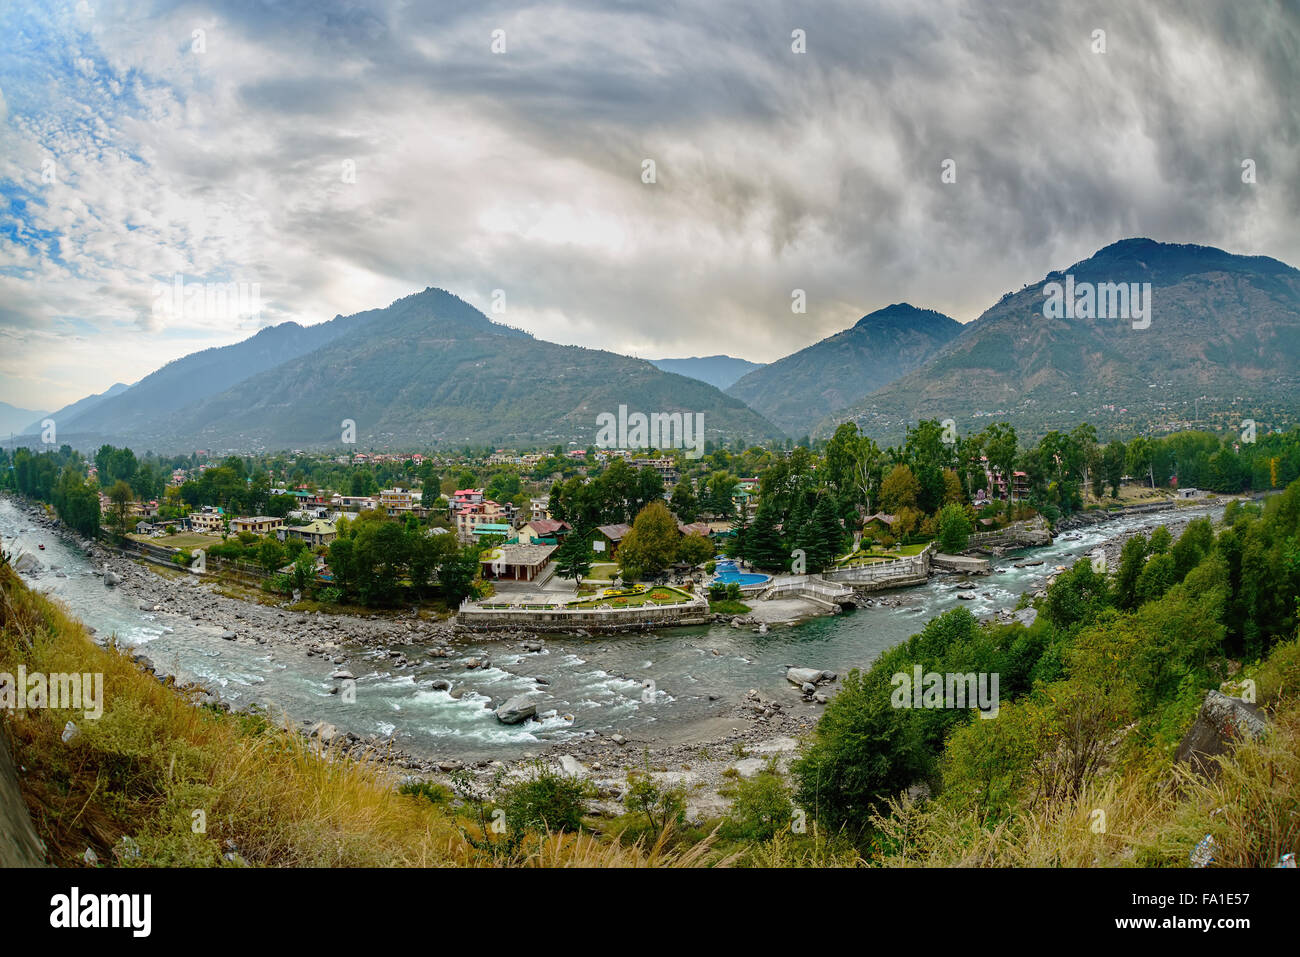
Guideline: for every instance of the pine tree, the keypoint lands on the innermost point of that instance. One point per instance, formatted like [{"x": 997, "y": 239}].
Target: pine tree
[
  {"x": 824, "y": 534},
  {"x": 573, "y": 557},
  {"x": 763, "y": 545}
]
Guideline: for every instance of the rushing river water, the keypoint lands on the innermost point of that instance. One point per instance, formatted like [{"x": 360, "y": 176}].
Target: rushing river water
[{"x": 595, "y": 684}]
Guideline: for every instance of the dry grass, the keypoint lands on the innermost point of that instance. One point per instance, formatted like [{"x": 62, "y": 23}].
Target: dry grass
[
  {"x": 1145, "y": 818},
  {"x": 155, "y": 758}
]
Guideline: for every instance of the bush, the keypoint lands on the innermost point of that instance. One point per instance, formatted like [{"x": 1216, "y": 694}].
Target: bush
[
  {"x": 760, "y": 809},
  {"x": 431, "y": 791},
  {"x": 661, "y": 807},
  {"x": 330, "y": 595},
  {"x": 549, "y": 801}
]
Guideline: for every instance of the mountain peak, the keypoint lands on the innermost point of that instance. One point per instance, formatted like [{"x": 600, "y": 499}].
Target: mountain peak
[{"x": 903, "y": 313}]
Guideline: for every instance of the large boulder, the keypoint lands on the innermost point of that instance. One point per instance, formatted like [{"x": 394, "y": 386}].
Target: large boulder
[
  {"x": 808, "y": 676},
  {"x": 518, "y": 709},
  {"x": 27, "y": 564},
  {"x": 1222, "y": 723}
]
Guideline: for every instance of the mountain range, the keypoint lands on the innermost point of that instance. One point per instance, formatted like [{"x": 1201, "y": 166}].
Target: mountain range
[
  {"x": 14, "y": 419},
  {"x": 798, "y": 391},
  {"x": 1221, "y": 341},
  {"x": 717, "y": 371},
  {"x": 428, "y": 369}
]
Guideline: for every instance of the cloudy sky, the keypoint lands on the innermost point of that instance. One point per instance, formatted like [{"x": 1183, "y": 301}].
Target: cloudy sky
[{"x": 344, "y": 154}]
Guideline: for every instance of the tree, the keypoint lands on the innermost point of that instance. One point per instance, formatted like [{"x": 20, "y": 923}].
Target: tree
[
  {"x": 270, "y": 554},
  {"x": 119, "y": 497},
  {"x": 457, "y": 575},
  {"x": 303, "y": 571},
  {"x": 684, "y": 502},
  {"x": 573, "y": 557},
  {"x": 651, "y": 546},
  {"x": 954, "y": 528},
  {"x": 1139, "y": 459},
  {"x": 1132, "y": 559},
  {"x": 1113, "y": 464},
  {"x": 899, "y": 490},
  {"x": 77, "y": 502},
  {"x": 694, "y": 549},
  {"x": 823, "y": 535},
  {"x": 762, "y": 541}
]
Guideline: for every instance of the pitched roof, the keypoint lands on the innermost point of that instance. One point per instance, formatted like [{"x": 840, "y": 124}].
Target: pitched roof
[
  {"x": 545, "y": 526},
  {"x": 614, "y": 533},
  {"x": 695, "y": 528}
]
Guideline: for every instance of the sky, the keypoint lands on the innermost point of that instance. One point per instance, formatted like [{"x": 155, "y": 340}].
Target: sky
[{"x": 335, "y": 156}]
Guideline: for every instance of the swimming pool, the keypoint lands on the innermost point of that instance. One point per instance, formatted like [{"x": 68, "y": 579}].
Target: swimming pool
[{"x": 727, "y": 573}]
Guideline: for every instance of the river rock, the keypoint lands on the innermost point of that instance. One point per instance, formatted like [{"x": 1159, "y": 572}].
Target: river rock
[
  {"x": 1222, "y": 723},
  {"x": 518, "y": 709},
  {"x": 1026, "y": 616},
  {"x": 440, "y": 684},
  {"x": 808, "y": 676},
  {"x": 27, "y": 564},
  {"x": 571, "y": 766}
]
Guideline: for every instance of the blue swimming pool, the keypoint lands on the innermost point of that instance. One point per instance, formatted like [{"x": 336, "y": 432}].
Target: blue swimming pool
[{"x": 728, "y": 573}]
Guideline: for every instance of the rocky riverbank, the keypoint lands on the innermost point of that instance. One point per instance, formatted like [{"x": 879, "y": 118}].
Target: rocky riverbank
[{"x": 737, "y": 739}]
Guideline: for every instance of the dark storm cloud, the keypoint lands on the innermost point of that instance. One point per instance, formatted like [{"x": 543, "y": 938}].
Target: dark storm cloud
[{"x": 776, "y": 170}]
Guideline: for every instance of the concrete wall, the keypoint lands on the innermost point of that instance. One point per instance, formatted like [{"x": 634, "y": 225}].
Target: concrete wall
[{"x": 472, "y": 618}]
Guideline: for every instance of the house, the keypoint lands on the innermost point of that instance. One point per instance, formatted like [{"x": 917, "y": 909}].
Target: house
[
  {"x": 609, "y": 537},
  {"x": 1188, "y": 493},
  {"x": 257, "y": 525},
  {"x": 539, "y": 508},
  {"x": 314, "y": 533},
  {"x": 883, "y": 518},
  {"x": 478, "y": 513},
  {"x": 461, "y": 498},
  {"x": 521, "y": 563},
  {"x": 395, "y": 500},
  {"x": 544, "y": 531},
  {"x": 666, "y": 466},
  {"x": 209, "y": 521},
  {"x": 148, "y": 528},
  {"x": 695, "y": 528}
]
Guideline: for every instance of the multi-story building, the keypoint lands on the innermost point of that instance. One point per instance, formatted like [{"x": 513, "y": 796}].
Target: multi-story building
[
  {"x": 209, "y": 521},
  {"x": 478, "y": 513},
  {"x": 256, "y": 524},
  {"x": 314, "y": 533},
  {"x": 395, "y": 500}
]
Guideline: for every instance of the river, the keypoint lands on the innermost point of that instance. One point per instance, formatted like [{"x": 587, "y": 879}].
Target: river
[{"x": 595, "y": 684}]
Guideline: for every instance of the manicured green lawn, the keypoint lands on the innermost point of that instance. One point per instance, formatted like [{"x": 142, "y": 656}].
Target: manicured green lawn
[
  {"x": 659, "y": 595},
  {"x": 182, "y": 540},
  {"x": 875, "y": 553}
]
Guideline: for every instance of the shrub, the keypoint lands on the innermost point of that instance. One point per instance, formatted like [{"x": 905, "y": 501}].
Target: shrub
[
  {"x": 660, "y": 806},
  {"x": 548, "y": 801},
  {"x": 760, "y": 809},
  {"x": 431, "y": 791}
]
